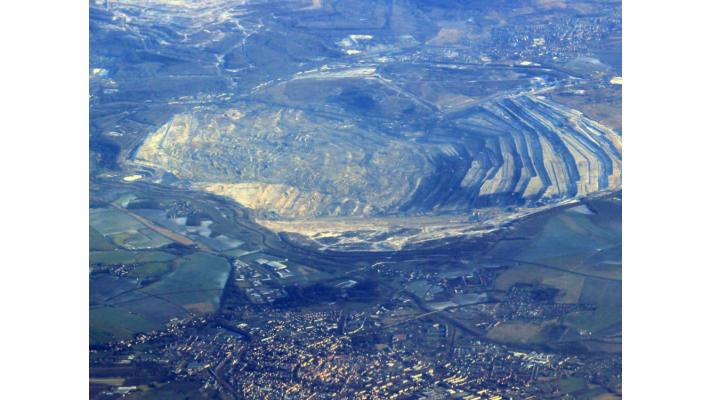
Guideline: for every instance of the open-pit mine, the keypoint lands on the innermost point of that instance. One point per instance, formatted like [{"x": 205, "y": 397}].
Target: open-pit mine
[{"x": 301, "y": 167}]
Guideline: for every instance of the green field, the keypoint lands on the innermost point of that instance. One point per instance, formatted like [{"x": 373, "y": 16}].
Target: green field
[
  {"x": 115, "y": 323},
  {"x": 605, "y": 295},
  {"x": 195, "y": 283},
  {"x": 97, "y": 241},
  {"x": 516, "y": 332},
  {"x": 569, "y": 240},
  {"x": 569, "y": 285},
  {"x": 151, "y": 270},
  {"x": 576, "y": 251},
  {"x": 183, "y": 286},
  {"x": 595, "y": 321},
  {"x": 175, "y": 391},
  {"x": 109, "y": 221},
  {"x": 128, "y": 257},
  {"x": 140, "y": 239},
  {"x": 572, "y": 385},
  {"x": 123, "y": 230}
]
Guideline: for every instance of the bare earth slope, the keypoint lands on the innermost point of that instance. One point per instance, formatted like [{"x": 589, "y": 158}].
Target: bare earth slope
[
  {"x": 298, "y": 164},
  {"x": 291, "y": 164}
]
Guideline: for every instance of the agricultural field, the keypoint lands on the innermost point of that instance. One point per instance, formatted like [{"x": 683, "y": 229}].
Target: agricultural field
[
  {"x": 584, "y": 239},
  {"x": 112, "y": 257},
  {"x": 97, "y": 241},
  {"x": 124, "y": 230},
  {"x": 116, "y": 323},
  {"x": 568, "y": 285},
  {"x": 575, "y": 252},
  {"x": 195, "y": 284},
  {"x": 161, "y": 287},
  {"x": 517, "y": 332},
  {"x": 151, "y": 270},
  {"x": 210, "y": 227}
]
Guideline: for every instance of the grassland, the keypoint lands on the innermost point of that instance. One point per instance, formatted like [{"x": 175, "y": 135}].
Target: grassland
[
  {"x": 572, "y": 385},
  {"x": 161, "y": 287},
  {"x": 140, "y": 239},
  {"x": 606, "y": 295},
  {"x": 595, "y": 321},
  {"x": 583, "y": 243},
  {"x": 116, "y": 323},
  {"x": 195, "y": 283},
  {"x": 97, "y": 241},
  {"x": 173, "y": 391},
  {"x": 110, "y": 221},
  {"x": 123, "y": 230},
  {"x": 516, "y": 332},
  {"x": 151, "y": 270},
  {"x": 569, "y": 285},
  {"x": 577, "y": 252},
  {"x": 114, "y": 257}
]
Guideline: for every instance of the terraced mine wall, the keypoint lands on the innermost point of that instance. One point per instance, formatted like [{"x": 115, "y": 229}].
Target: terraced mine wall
[{"x": 518, "y": 150}]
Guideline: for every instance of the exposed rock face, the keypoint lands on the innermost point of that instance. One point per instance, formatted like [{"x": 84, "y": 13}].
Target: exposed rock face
[
  {"x": 518, "y": 150},
  {"x": 288, "y": 200},
  {"x": 288, "y": 162}
]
